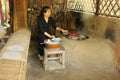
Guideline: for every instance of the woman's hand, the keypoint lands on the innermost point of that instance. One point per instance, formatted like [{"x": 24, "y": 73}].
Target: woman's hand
[
  {"x": 49, "y": 36},
  {"x": 60, "y": 29},
  {"x": 65, "y": 31},
  {"x": 52, "y": 36}
]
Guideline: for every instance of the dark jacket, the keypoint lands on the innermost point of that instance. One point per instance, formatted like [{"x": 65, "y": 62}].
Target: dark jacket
[{"x": 44, "y": 26}]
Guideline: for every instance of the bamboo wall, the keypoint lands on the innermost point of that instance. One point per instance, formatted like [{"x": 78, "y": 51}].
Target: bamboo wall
[
  {"x": 99, "y": 7},
  {"x": 0, "y": 6},
  {"x": 39, "y": 3},
  {"x": 20, "y": 14}
]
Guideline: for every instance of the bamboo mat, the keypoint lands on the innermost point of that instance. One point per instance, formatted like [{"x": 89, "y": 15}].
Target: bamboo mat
[
  {"x": 12, "y": 70},
  {"x": 19, "y": 44},
  {"x": 13, "y": 56}
]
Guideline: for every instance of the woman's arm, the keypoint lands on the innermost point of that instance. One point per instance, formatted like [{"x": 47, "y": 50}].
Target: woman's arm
[
  {"x": 60, "y": 29},
  {"x": 57, "y": 28},
  {"x": 48, "y": 35}
]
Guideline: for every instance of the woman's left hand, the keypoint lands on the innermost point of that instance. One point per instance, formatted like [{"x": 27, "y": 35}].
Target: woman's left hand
[
  {"x": 65, "y": 31},
  {"x": 60, "y": 29}
]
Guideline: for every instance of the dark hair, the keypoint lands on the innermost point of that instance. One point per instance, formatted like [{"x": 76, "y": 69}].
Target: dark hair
[{"x": 44, "y": 10}]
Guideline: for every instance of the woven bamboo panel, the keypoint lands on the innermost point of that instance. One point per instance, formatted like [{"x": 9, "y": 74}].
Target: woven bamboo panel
[
  {"x": 0, "y": 5},
  {"x": 13, "y": 56},
  {"x": 39, "y": 3},
  {"x": 12, "y": 70},
  {"x": 70, "y": 4},
  {"x": 18, "y": 43},
  {"x": 47, "y": 2},
  {"x": 82, "y": 5},
  {"x": 20, "y": 14},
  {"x": 100, "y": 7},
  {"x": 33, "y": 3},
  {"x": 109, "y": 8}
]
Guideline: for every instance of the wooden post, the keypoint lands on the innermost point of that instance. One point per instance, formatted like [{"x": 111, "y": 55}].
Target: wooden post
[{"x": 97, "y": 7}]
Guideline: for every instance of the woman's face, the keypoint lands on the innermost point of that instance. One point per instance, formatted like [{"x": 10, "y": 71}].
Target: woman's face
[{"x": 48, "y": 13}]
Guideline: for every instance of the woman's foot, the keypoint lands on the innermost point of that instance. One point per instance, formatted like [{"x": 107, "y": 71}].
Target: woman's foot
[{"x": 40, "y": 57}]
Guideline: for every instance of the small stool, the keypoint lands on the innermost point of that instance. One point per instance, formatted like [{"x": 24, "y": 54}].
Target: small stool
[{"x": 56, "y": 62}]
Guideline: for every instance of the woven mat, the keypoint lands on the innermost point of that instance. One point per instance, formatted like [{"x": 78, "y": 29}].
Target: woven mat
[{"x": 12, "y": 70}]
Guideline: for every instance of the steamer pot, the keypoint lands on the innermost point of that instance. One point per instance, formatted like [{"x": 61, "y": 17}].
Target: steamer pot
[{"x": 52, "y": 44}]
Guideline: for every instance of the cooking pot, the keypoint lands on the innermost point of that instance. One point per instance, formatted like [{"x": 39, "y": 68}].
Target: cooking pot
[{"x": 53, "y": 43}]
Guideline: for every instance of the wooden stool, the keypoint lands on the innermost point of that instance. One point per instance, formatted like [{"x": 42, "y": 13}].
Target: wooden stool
[{"x": 56, "y": 62}]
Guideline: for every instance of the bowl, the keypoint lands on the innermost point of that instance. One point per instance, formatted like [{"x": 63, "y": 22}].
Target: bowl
[{"x": 56, "y": 39}]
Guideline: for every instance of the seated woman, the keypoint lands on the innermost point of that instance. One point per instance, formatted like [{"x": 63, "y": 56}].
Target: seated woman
[{"x": 44, "y": 22}]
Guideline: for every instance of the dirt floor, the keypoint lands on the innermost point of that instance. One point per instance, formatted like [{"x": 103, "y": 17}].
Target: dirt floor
[{"x": 90, "y": 59}]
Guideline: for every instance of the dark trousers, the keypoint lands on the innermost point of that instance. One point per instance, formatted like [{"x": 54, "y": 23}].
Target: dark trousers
[
  {"x": 41, "y": 49},
  {"x": 40, "y": 39}
]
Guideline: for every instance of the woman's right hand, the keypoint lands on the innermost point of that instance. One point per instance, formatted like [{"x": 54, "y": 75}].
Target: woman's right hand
[
  {"x": 52, "y": 36},
  {"x": 48, "y": 35}
]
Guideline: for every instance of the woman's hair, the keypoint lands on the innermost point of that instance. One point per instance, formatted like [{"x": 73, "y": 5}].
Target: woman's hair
[{"x": 44, "y": 10}]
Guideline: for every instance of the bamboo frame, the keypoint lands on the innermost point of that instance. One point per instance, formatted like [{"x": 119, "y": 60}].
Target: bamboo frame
[
  {"x": 99, "y": 7},
  {"x": 110, "y": 8}
]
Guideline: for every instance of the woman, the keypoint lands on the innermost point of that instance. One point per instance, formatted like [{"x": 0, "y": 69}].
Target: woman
[{"x": 44, "y": 22}]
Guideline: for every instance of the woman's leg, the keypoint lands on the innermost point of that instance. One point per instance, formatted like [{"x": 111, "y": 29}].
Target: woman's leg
[
  {"x": 41, "y": 49},
  {"x": 40, "y": 46}
]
